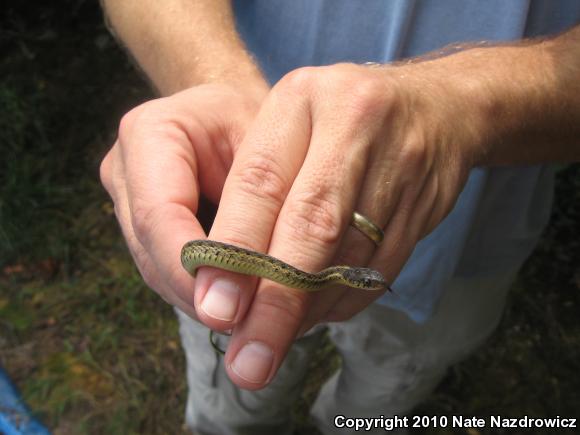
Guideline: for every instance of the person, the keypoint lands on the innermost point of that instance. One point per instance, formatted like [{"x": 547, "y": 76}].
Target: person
[{"x": 292, "y": 115}]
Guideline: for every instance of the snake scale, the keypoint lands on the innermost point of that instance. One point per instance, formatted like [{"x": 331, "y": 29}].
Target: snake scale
[{"x": 197, "y": 253}]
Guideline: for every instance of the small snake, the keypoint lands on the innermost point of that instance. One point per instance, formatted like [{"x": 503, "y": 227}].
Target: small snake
[{"x": 197, "y": 253}]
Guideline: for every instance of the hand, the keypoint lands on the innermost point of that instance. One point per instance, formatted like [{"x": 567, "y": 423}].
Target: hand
[
  {"x": 168, "y": 152},
  {"x": 393, "y": 143}
]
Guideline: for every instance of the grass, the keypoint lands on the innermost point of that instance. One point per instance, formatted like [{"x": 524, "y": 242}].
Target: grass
[{"x": 94, "y": 351}]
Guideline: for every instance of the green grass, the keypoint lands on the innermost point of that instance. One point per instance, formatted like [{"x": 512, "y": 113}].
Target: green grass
[{"x": 94, "y": 351}]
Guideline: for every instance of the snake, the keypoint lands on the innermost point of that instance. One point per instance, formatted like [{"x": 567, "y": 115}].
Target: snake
[{"x": 198, "y": 253}]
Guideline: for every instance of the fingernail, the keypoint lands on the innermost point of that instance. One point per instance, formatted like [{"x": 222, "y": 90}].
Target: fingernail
[
  {"x": 221, "y": 300},
  {"x": 253, "y": 362}
]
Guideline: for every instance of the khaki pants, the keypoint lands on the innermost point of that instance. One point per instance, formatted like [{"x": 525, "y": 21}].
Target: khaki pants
[{"x": 390, "y": 364}]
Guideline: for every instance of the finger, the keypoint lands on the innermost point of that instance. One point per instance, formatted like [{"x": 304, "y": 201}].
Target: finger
[
  {"x": 355, "y": 250},
  {"x": 376, "y": 200},
  {"x": 401, "y": 235},
  {"x": 366, "y": 122},
  {"x": 306, "y": 234},
  {"x": 111, "y": 170},
  {"x": 263, "y": 170},
  {"x": 147, "y": 268},
  {"x": 162, "y": 196},
  {"x": 388, "y": 191}
]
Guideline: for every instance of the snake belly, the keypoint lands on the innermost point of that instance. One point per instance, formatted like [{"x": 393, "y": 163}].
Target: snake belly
[{"x": 198, "y": 253}]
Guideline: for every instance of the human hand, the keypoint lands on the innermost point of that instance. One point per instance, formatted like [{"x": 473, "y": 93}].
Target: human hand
[
  {"x": 393, "y": 143},
  {"x": 168, "y": 152}
]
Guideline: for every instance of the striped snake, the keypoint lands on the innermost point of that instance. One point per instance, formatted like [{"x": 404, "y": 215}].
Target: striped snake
[{"x": 197, "y": 253}]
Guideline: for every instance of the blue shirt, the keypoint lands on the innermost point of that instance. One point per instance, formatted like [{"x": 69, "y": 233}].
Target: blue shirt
[{"x": 501, "y": 211}]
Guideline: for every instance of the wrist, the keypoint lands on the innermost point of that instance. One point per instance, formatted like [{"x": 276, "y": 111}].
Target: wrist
[
  {"x": 446, "y": 104},
  {"x": 506, "y": 94},
  {"x": 521, "y": 102},
  {"x": 492, "y": 99},
  {"x": 250, "y": 83},
  {"x": 235, "y": 68},
  {"x": 179, "y": 44}
]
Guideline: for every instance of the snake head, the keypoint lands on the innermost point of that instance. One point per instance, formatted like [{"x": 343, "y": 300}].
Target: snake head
[{"x": 366, "y": 279}]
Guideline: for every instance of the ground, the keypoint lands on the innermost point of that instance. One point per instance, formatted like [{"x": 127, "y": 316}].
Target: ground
[{"x": 94, "y": 351}]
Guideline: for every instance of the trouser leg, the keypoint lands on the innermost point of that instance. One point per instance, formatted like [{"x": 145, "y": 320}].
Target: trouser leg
[
  {"x": 215, "y": 406},
  {"x": 391, "y": 364}
]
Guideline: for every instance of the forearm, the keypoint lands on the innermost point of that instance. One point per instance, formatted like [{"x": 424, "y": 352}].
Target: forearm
[
  {"x": 521, "y": 102},
  {"x": 535, "y": 103},
  {"x": 181, "y": 43}
]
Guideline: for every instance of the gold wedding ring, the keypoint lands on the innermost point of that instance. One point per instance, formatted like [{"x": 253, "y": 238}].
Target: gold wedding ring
[{"x": 369, "y": 229}]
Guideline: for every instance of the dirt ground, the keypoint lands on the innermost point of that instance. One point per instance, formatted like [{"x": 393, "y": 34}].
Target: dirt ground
[{"x": 94, "y": 351}]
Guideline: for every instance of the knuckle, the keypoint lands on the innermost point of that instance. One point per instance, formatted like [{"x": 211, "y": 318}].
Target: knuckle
[
  {"x": 146, "y": 269},
  {"x": 367, "y": 96},
  {"x": 360, "y": 94},
  {"x": 262, "y": 177},
  {"x": 144, "y": 220},
  {"x": 317, "y": 218},
  {"x": 127, "y": 121},
  {"x": 298, "y": 80},
  {"x": 105, "y": 174},
  {"x": 414, "y": 154},
  {"x": 141, "y": 115}
]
